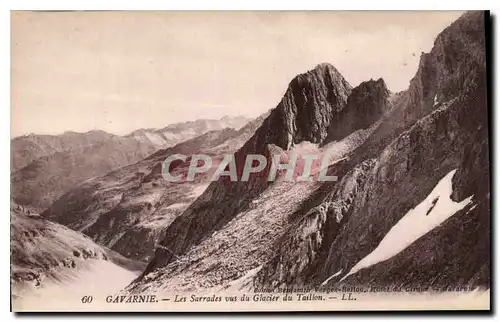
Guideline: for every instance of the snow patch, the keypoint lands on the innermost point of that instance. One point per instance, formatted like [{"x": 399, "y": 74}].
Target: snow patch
[
  {"x": 151, "y": 197},
  {"x": 183, "y": 135},
  {"x": 244, "y": 282},
  {"x": 337, "y": 150},
  {"x": 155, "y": 138},
  {"x": 178, "y": 205},
  {"x": 435, "y": 100},
  {"x": 97, "y": 278},
  {"x": 471, "y": 208},
  {"x": 430, "y": 213},
  {"x": 305, "y": 147},
  {"x": 329, "y": 278},
  {"x": 197, "y": 191}
]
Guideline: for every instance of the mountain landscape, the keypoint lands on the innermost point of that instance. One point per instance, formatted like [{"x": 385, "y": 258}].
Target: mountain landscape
[
  {"x": 410, "y": 207},
  {"x": 433, "y": 135},
  {"x": 44, "y": 253},
  {"x": 179, "y": 132},
  {"x": 46, "y": 166},
  {"x": 127, "y": 209}
]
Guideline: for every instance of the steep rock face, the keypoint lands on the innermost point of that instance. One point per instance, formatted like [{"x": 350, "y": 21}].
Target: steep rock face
[
  {"x": 458, "y": 251},
  {"x": 308, "y": 107},
  {"x": 414, "y": 163},
  {"x": 454, "y": 66},
  {"x": 453, "y": 136},
  {"x": 366, "y": 104},
  {"x": 301, "y": 253},
  {"x": 304, "y": 114},
  {"x": 127, "y": 209},
  {"x": 349, "y": 223}
]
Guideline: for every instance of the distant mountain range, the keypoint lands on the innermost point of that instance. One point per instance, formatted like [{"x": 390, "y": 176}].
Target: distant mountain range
[
  {"x": 45, "y": 166},
  {"x": 127, "y": 209},
  {"x": 179, "y": 132}
]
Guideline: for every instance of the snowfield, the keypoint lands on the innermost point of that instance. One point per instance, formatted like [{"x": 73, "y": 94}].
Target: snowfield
[
  {"x": 97, "y": 278},
  {"x": 50, "y": 262},
  {"x": 430, "y": 213}
]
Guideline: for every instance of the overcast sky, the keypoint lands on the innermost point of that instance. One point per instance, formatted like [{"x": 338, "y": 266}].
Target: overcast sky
[{"x": 120, "y": 71}]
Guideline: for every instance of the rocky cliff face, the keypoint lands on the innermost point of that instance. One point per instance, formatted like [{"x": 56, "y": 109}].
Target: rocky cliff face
[
  {"x": 366, "y": 104},
  {"x": 453, "y": 67},
  {"x": 419, "y": 177},
  {"x": 301, "y": 254},
  {"x": 305, "y": 113},
  {"x": 453, "y": 135}
]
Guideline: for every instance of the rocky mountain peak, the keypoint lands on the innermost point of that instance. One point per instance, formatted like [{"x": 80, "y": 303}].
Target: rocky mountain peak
[
  {"x": 368, "y": 90},
  {"x": 309, "y": 105},
  {"x": 323, "y": 78},
  {"x": 327, "y": 69},
  {"x": 368, "y": 96},
  {"x": 456, "y": 64},
  {"x": 365, "y": 105},
  {"x": 379, "y": 84}
]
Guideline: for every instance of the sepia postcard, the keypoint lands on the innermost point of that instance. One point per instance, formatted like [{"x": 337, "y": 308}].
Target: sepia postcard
[{"x": 196, "y": 161}]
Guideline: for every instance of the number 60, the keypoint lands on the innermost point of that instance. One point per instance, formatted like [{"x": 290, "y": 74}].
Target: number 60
[{"x": 87, "y": 299}]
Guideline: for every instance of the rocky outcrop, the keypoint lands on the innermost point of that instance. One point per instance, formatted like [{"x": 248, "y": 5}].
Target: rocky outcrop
[
  {"x": 301, "y": 254},
  {"x": 305, "y": 113},
  {"x": 455, "y": 66},
  {"x": 366, "y": 104}
]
